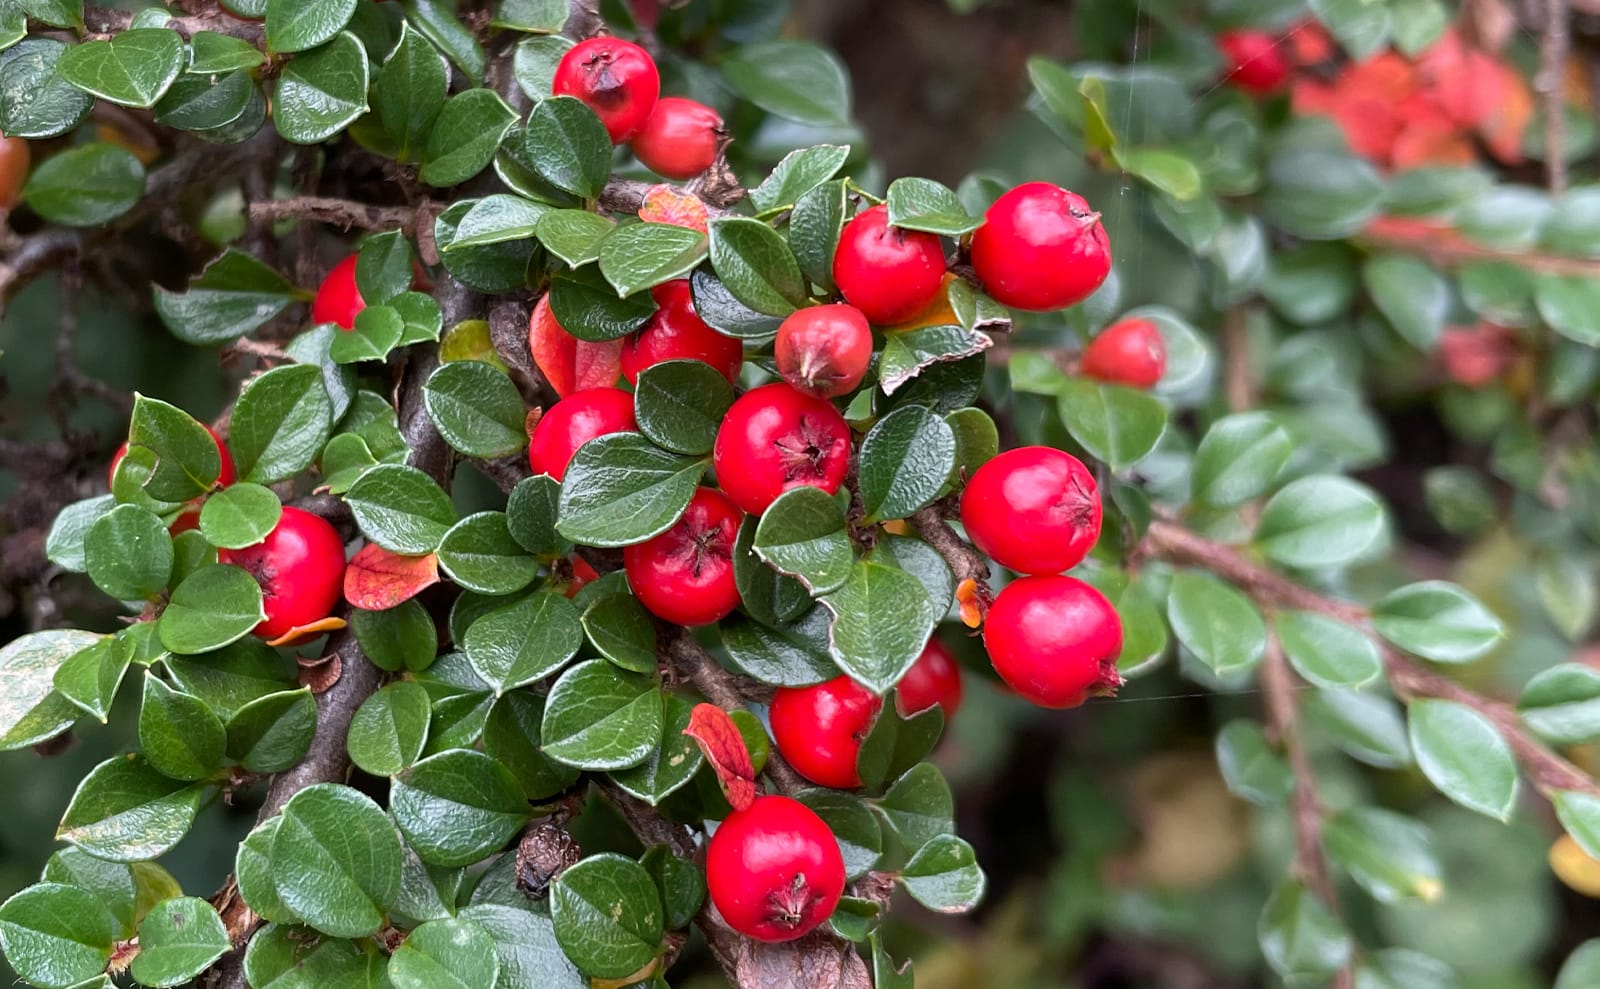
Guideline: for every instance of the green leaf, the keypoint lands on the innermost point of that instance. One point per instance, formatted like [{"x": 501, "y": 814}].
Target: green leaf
[
  {"x": 524, "y": 641},
  {"x": 537, "y": 16},
  {"x": 1326, "y": 651},
  {"x": 806, "y": 538},
  {"x": 785, "y": 655},
  {"x": 1319, "y": 193},
  {"x": 1216, "y": 622},
  {"x": 322, "y": 91},
  {"x": 1437, "y": 620},
  {"x": 377, "y": 331},
  {"x": 401, "y": 509},
  {"x": 574, "y": 235},
  {"x": 637, "y": 256},
  {"x": 1582, "y": 967},
  {"x": 1249, "y": 766},
  {"x": 1239, "y": 458},
  {"x": 512, "y": 736},
  {"x": 1413, "y": 296},
  {"x": 400, "y": 638},
  {"x": 919, "y": 806},
  {"x": 680, "y": 404},
  {"x": 125, "y": 811},
  {"x": 336, "y": 860},
  {"x": 253, "y": 869},
  {"x": 240, "y": 515},
  {"x": 64, "y": 544},
  {"x": 273, "y": 733},
  {"x": 1166, "y": 171},
  {"x": 479, "y": 554},
  {"x": 681, "y": 883},
  {"x": 923, "y": 204},
  {"x": 1462, "y": 754},
  {"x": 234, "y": 295},
  {"x": 587, "y": 307},
  {"x": 797, "y": 174},
  {"x": 1562, "y": 704},
  {"x": 133, "y": 68},
  {"x": 1568, "y": 592},
  {"x": 796, "y": 80},
  {"x": 716, "y": 305},
  {"x": 944, "y": 875},
  {"x": 465, "y": 136},
  {"x": 1299, "y": 936},
  {"x": 56, "y": 935},
  {"x": 85, "y": 186},
  {"x": 531, "y": 516},
  {"x": 895, "y": 745},
  {"x": 906, "y": 353},
  {"x": 476, "y": 408},
  {"x": 212, "y": 52},
  {"x": 672, "y": 764},
  {"x": 178, "y": 733},
  {"x": 177, "y": 941},
  {"x": 598, "y": 717},
  {"x": 438, "y": 23},
  {"x": 859, "y": 835},
  {"x": 1114, "y": 423},
  {"x": 35, "y": 101},
  {"x": 214, "y": 606},
  {"x": 525, "y": 943},
  {"x": 128, "y": 553},
  {"x": 620, "y": 629},
  {"x": 882, "y": 618},
  {"x": 620, "y": 490},
  {"x": 568, "y": 146},
  {"x": 1366, "y": 726},
  {"x": 906, "y": 459},
  {"x": 299, "y": 25},
  {"x": 1320, "y": 521},
  {"x": 756, "y": 266},
  {"x": 814, "y": 226},
  {"x": 283, "y": 957},
  {"x": 409, "y": 92},
  {"x": 230, "y": 678},
  {"x": 445, "y": 954},
  {"x": 498, "y": 219},
  {"x": 384, "y": 267},
  {"x": 1387, "y": 854},
  {"x": 187, "y": 462},
  {"x": 390, "y": 728},
  {"x": 1569, "y": 303},
  {"x": 112, "y": 883},
  {"x": 458, "y": 806},
  {"x": 607, "y": 915},
  {"x": 56, "y": 13},
  {"x": 30, "y": 709}
]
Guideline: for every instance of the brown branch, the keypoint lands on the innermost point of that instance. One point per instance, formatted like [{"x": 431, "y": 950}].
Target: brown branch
[
  {"x": 1554, "y": 48},
  {"x": 965, "y": 561},
  {"x": 105, "y": 21},
  {"x": 343, "y": 213},
  {"x": 1448, "y": 249}
]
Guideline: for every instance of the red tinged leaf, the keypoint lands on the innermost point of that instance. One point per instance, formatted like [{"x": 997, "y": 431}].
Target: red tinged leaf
[
  {"x": 724, "y": 748},
  {"x": 664, "y": 204},
  {"x": 376, "y": 579},
  {"x": 570, "y": 364},
  {"x": 1475, "y": 356}
]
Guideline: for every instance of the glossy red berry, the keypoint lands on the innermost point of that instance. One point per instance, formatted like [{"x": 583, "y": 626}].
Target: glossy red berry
[
  {"x": 226, "y": 476},
  {"x": 1054, "y": 640},
  {"x": 680, "y": 138},
  {"x": 685, "y": 575},
  {"x": 1256, "y": 63},
  {"x": 1041, "y": 248},
  {"x": 338, "y": 299},
  {"x": 1034, "y": 509},
  {"x": 774, "y": 869},
  {"x": 819, "y": 729},
  {"x": 616, "y": 79},
  {"x": 888, "y": 273},
  {"x": 773, "y": 439},
  {"x": 824, "y": 350},
  {"x": 574, "y": 421},
  {"x": 300, "y": 567},
  {"x": 935, "y": 678},
  {"x": 15, "y": 157},
  {"x": 1131, "y": 353},
  {"x": 677, "y": 333}
]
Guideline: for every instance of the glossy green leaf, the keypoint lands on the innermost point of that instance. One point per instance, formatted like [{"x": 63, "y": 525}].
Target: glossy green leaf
[
  {"x": 273, "y": 733},
  {"x": 390, "y": 728},
  {"x": 620, "y": 489},
  {"x": 923, "y": 204},
  {"x": 126, "y": 811},
  {"x": 1320, "y": 521},
  {"x": 465, "y": 136},
  {"x": 132, "y": 68},
  {"x": 621, "y": 630},
  {"x": 55, "y": 935},
  {"x": 905, "y": 461},
  {"x": 599, "y": 717},
  {"x": 796, "y": 80},
  {"x": 1117, "y": 424},
  {"x": 882, "y": 617},
  {"x": 944, "y": 875},
  {"x": 1437, "y": 620},
  {"x": 234, "y": 295},
  {"x": 524, "y": 641},
  {"x": 457, "y": 806},
  {"x": 87, "y": 185},
  {"x": 177, "y": 941},
  {"x": 401, "y": 509},
  {"x": 803, "y": 535},
  {"x": 1326, "y": 651},
  {"x": 756, "y": 266},
  {"x": 445, "y": 954},
  {"x": 798, "y": 173},
  {"x": 607, "y": 915},
  {"x": 1239, "y": 458},
  {"x": 673, "y": 763},
  {"x": 1216, "y": 622},
  {"x": 128, "y": 553},
  {"x": 178, "y": 733},
  {"x": 1463, "y": 755},
  {"x": 1389, "y": 855},
  {"x": 679, "y": 405},
  {"x": 1300, "y": 936},
  {"x": 637, "y": 256},
  {"x": 214, "y": 606},
  {"x": 336, "y": 860},
  {"x": 322, "y": 91},
  {"x": 298, "y": 25},
  {"x": 1562, "y": 704},
  {"x": 568, "y": 145},
  {"x": 1249, "y": 766}
]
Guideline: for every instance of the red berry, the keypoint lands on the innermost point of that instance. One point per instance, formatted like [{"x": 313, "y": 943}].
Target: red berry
[
  {"x": 675, "y": 333},
  {"x": 819, "y": 729},
  {"x": 935, "y": 678},
  {"x": 1256, "y": 63},
  {"x": 300, "y": 567},
  {"x": 1034, "y": 509},
  {"x": 338, "y": 299},
  {"x": 574, "y": 421},
  {"x": 888, "y": 273},
  {"x": 1041, "y": 248},
  {"x": 680, "y": 138},
  {"x": 824, "y": 350},
  {"x": 774, "y": 869},
  {"x": 1127, "y": 353},
  {"x": 15, "y": 157},
  {"x": 616, "y": 79},
  {"x": 1055, "y": 640},
  {"x": 685, "y": 575},
  {"x": 225, "y": 477},
  {"x": 773, "y": 439}
]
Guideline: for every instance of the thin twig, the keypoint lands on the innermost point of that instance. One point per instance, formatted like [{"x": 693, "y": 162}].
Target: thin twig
[
  {"x": 1447, "y": 248},
  {"x": 342, "y": 213},
  {"x": 105, "y": 21},
  {"x": 1554, "y": 48}
]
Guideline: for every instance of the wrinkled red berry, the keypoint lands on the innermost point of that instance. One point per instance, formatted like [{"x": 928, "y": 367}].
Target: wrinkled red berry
[
  {"x": 1034, "y": 509},
  {"x": 935, "y": 678},
  {"x": 774, "y": 869},
  {"x": 888, "y": 273},
  {"x": 1041, "y": 248},
  {"x": 680, "y": 138},
  {"x": 338, "y": 299},
  {"x": 824, "y": 350},
  {"x": 1131, "y": 353},
  {"x": 819, "y": 729},
  {"x": 1054, "y": 640},
  {"x": 677, "y": 333},
  {"x": 1255, "y": 61},
  {"x": 300, "y": 567},
  {"x": 685, "y": 575},
  {"x": 616, "y": 79},
  {"x": 773, "y": 439},
  {"x": 574, "y": 421}
]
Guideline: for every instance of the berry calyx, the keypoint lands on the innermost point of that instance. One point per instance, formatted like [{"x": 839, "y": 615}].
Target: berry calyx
[
  {"x": 774, "y": 870},
  {"x": 824, "y": 350},
  {"x": 1256, "y": 63},
  {"x": 1131, "y": 353},
  {"x": 888, "y": 273},
  {"x": 338, "y": 299},
  {"x": 1035, "y": 510},
  {"x": 680, "y": 138},
  {"x": 935, "y": 678},
  {"x": 819, "y": 729},
  {"x": 685, "y": 575},
  {"x": 15, "y": 157},
  {"x": 300, "y": 567},
  {"x": 773, "y": 439},
  {"x": 616, "y": 79},
  {"x": 1041, "y": 248},
  {"x": 1054, "y": 640},
  {"x": 574, "y": 421},
  {"x": 675, "y": 333}
]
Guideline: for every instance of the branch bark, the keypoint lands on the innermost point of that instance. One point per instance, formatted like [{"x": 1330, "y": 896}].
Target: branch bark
[{"x": 1449, "y": 249}]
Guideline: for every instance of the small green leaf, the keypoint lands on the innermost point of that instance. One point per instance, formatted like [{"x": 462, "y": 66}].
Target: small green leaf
[
  {"x": 1326, "y": 651},
  {"x": 568, "y": 145},
  {"x": 458, "y": 806},
  {"x": 240, "y": 515},
  {"x": 512, "y": 736},
  {"x": 1413, "y": 296},
  {"x": 786, "y": 655},
  {"x": 587, "y": 307},
  {"x": 796, "y": 80},
  {"x": 322, "y": 91},
  {"x": 479, "y": 554},
  {"x": 56, "y": 935},
  {"x": 756, "y": 266},
  {"x": 524, "y": 641},
  {"x": 1437, "y": 620},
  {"x": 128, "y": 553},
  {"x": 273, "y": 733},
  {"x": 882, "y": 618},
  {"x": 1300, "y": 936},
  {"x": 133, "y": 68},
  {"x": 409, "y": 92},
  {"x": 445, "y": 954},
  {"x": 944, "y": 875},
  {"x": 85, "y": 186},
  {"x": 1249, "y": 766},
  {"x": 1216, "y": 622},
  {"x": 919, "y": 806},
  {"x": 465, "y": 136},
  {"x": 1366, "y": 726},
  {"x": 299, "y": 25},
  {"x": 214, "y": 606},
  {"x": 803, "y": 534},
  {"x": 621, "y": 630},
  {"x": 1562, "y": 704},
  {"x": 187, "y": 461},
  {"x": 857, "y": 831},
  {"x": 35, "y": 100},
  {"x": 234, "y": 295},
  {"x": 212, "y": 52},
  {"x": 476, "y": 408},
  {"x": 598, "y": 717},
  {"x": 620, "y": 489},
  {"x": 125, "y": 811},
  {"x": 401, "y": 509},
  {"x": 607, "y": 915},
  {"x": 336, "y": 860},
  {"x": 389, "y": 730},
  {"x": 637, "y": 256},
  {"x": 1320, "y": 521},
  {"x": 30, "y": 709},
  {"x": 797, "y": 174},
  {"x": 1239, "y": 458},
  {"x": 923, "y": 204},
  {"x": 1463, "y": 755},
  {"x": 905, "y": 461},
  {"x": 674, "y": 762},
  {"x": 498, "y": 219},
  {"x": 177, "y": 941},
  {"x": 178, "y": 733},
  {"x": 531, "y": 516},
  {"x": 680, "y": 404},
  {"x": 574, "y": 235},
  {"x": 1117, "y": 424},
  {"x": 1387, "y": 854}
]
